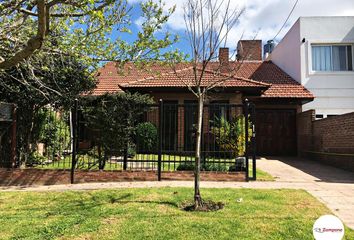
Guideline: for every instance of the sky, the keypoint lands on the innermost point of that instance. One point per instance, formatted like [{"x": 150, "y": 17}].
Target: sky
[{"x": 262, "y": 19}]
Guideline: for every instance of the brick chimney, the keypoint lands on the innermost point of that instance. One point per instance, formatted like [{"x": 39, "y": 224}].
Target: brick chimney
[
  {"x": 249, "y": 50},
  {"x": 224, "y": 59}
]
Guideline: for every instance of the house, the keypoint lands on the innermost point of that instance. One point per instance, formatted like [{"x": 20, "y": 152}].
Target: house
[
  {"x": 318, "y": 53},
  {"x": 277, "y": 96}
]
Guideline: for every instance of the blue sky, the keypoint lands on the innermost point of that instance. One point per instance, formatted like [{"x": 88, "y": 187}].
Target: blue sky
[{"x": 262, "y": 18}]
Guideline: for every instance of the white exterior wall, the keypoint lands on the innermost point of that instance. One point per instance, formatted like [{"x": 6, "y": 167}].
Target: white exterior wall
[
  {"x": 334, "y": 91},
  {"x": 286, "y": 54}
]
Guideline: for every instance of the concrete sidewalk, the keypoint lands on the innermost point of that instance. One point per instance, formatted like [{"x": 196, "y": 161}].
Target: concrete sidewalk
[{"x": 332, "y": 186}]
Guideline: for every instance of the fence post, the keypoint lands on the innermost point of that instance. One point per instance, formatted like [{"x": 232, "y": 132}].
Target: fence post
[
  {"x": 13, "y": 137},
  {"x": 125, "y": 158},
  {"x": 245, "y": 106},
  {"x": 254, "y": 143},
  {"x": 74, "y": 140},
  {"x": 160, "y": 140}
]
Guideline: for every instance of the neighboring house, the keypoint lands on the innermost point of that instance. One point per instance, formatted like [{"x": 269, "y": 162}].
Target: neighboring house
[
  {"x": 277, "y": 96},
  {"x": 318, "y": 52}
]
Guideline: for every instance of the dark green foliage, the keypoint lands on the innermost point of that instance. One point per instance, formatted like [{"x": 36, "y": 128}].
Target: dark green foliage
[
  {"x": 131, "y": 151},
  {"x": 186, "y": 166},
  {"x": 190, "y": 166},
  {"x": 53, "y": 131},
  {"x": 146, "y": 136},
  {"x": 214, "y": 167},
  {"x": 35, "y": 159},
  {"x": 230, "y": 135},
  {"x": 115, "y": 118},
  {"x": 57, "y": 81},
  {"x": 239, "y": 166}
]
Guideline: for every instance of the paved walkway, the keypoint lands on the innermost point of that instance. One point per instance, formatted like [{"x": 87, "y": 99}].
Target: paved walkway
[{"x": 333, "y": 187}]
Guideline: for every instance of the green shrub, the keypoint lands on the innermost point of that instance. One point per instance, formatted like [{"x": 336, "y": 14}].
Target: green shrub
[
  {"x": 186, "y": 167},
  {"x": 35, "y": 159},
  {"x": 131, "y": 150},
  {"x": 53, "y": 130},
  {"x": 146, "y": 136},
  {"x": 204, "y": 167},
  {"x": 230, "y": 135},
  {"x": 214, "y": 167},
  {"x": 116, "y": 117},
  {"x": 239, "y": 166}
]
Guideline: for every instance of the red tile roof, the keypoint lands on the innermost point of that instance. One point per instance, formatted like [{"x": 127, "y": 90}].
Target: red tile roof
[
  {"x": 282, "y": 85},
  {"x": 185, "y": 78},
  {"x": 255, "y": 74}
]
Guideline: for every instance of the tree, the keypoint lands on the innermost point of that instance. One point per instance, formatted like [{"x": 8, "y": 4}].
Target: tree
[
  {"x": 114, "y": 118},
  {"x": 208, "y": 24},
  {"x": 81, "y": 28},
  {"x": 32, "y": 84}
]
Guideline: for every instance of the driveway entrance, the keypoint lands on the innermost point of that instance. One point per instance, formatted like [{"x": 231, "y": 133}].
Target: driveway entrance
[{"x": 332, "y": 186}]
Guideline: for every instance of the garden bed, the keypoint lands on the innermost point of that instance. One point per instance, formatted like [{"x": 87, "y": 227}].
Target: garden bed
[{"x": 28, "y": 177}]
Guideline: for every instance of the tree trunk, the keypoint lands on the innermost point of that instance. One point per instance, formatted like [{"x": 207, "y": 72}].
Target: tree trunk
[
  {"x": 101, "y": 161},
  {"x": 197, "y": 197},
  {"x": 28, "y": 126}
]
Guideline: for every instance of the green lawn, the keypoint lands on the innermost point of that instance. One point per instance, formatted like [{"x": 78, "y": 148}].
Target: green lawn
[
  {"x": 262, "y": 175},
  {"x": 154, "y": 213}
]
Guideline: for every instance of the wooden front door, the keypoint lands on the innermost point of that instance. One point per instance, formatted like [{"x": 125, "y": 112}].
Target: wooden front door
[{"x": 276, "y": 132}]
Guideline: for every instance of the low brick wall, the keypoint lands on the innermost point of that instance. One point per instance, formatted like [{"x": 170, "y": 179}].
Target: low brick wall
[
  {"x": 28, "y": 177},
  {"x": 329, "y": 140}
]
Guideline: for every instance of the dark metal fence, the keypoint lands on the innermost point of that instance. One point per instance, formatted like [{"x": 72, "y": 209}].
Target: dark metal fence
[{"x": 163, "y": 140}]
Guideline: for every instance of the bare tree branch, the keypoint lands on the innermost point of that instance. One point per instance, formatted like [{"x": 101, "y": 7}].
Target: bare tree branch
[{"x": 208, "y": 24}]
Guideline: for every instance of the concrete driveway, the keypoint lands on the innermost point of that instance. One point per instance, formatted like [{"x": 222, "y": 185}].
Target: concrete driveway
[{"x": 332, "y": 186}]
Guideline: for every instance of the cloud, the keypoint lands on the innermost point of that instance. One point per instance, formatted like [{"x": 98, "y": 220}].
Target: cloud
[{"x": 262, "y": 19}]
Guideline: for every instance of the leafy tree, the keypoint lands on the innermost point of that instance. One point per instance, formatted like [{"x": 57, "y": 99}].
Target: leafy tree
[
  {"x": 81, "y": 28},
  {"x": 48, "y": 79},
  {"x": 114, "y": 118}
]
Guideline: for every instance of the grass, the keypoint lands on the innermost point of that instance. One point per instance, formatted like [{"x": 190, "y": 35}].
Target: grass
[
  {"x": 262, "y": 175},
  {"x": 85, "y": 161},
  {"x": 154, "y": 213}
]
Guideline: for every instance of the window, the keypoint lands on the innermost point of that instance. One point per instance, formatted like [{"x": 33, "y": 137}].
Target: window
[{"x": 332, "y": 58}]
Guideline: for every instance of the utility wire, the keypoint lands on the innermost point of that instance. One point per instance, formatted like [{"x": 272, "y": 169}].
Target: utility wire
[{"x": 286, "y": 19}]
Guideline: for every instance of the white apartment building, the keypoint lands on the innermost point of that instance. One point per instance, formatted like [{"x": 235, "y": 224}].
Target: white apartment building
[{"x": 318, "y": 52}]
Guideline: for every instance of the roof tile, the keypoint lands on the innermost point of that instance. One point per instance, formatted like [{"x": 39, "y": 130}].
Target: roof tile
[{"x": 246, "y": 74}]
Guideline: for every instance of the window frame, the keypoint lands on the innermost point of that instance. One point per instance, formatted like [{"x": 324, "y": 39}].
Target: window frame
[{"x": 314, "y": 44}]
